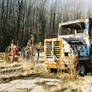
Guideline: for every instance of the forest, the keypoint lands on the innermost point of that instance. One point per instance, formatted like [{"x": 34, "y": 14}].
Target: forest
[{"x": 21, "y": 18}]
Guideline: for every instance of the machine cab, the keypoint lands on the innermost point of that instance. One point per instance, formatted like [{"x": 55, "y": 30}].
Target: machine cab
[{"x": 79, "y": 35}]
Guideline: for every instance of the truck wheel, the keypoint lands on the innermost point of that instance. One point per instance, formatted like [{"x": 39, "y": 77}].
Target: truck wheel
[
  {"x": 53, "y": 70},
  {"x": 82, "y": 70}
]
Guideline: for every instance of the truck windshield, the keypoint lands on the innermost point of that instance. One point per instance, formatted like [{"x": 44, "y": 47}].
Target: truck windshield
[{"x": 72, "y": 28}]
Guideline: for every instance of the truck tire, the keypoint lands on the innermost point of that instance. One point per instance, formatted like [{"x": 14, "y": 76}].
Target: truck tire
[
  {"x": 82, "y": 70},
  {"x": 53, "y": 70}
]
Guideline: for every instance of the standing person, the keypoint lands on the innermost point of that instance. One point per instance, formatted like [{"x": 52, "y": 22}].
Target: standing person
[
  {"x": 12, "y": 45},
  {"x": 17, "y": 43},
  {"x": 14, "y": 51},
  {"x": 32, "y": 41},
  {"x": 27, "y": 50},
  {"x": 38, "y": 50},
  {"x": 32, "y": 50},
  {"x": 28, "y": 45}
]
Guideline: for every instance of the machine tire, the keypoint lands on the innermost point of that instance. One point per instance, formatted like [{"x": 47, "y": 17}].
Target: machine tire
[
  {"x": 82, "y": 70},
  {"x": 8, "y": 58},
  {"x": 53, "y": 70}
]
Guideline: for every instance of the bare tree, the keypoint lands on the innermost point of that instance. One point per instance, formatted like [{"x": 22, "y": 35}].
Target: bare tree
[{"x": 21, "y": 18}]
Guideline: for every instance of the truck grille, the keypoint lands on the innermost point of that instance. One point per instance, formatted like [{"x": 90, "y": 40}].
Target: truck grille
[
  {"x": 57, "y": 48},
  {"x": 48, "y": 49}
]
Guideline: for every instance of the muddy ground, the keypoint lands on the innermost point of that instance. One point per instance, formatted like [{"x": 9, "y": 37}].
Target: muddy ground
[{"x": 28, "y": 76}]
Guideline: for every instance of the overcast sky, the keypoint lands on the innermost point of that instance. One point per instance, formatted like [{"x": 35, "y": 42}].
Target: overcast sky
[{"x": 87, "y": 4}]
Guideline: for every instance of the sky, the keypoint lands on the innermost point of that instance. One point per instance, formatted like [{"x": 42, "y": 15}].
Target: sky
[{"x": 86, "y": 3}]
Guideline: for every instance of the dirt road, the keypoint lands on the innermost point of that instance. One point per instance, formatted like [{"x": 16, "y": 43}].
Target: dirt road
[
  {"x": 39, "y": 84},
  {"x": 26, "y": 76}
]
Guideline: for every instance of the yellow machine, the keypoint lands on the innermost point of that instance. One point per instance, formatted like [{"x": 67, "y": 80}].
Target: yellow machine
[
  {"x": 59, "y": 54},
  {"x": 71, "y": 48}
]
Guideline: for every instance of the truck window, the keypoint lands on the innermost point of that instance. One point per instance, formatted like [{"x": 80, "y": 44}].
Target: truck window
[{"x": 71, "y": 28}]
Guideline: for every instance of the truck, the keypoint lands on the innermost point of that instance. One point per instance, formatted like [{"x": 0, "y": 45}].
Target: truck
[{"x": 72, "y": 49}]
